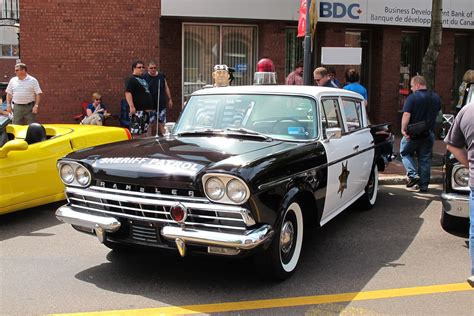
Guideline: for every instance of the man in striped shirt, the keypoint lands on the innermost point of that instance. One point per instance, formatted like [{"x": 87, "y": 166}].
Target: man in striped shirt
[{"x": 24, "y": 92}]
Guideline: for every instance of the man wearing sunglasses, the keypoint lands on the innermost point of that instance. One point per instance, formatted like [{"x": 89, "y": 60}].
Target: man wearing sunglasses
[
  {"x": 322, "y": 78},
  {"x": 139, "y": 99},
  {"x": 160, "y": 92}
]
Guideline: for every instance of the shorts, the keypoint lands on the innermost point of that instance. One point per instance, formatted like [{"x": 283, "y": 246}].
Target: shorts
[
  {"x": 141, "y": 121},
  {"x": 162, "y": 116}
]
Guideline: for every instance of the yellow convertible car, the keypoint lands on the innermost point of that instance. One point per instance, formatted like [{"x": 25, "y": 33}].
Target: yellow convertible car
[{"x": 28, "y": 155}]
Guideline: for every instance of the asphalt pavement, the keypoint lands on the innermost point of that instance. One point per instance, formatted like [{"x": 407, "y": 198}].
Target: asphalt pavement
[{"x": 395, "y": 172}]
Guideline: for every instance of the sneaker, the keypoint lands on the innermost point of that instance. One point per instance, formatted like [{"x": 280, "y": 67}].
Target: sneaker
[
  {"x": 470, "y": 280},
  {"x": 412, "y": 181},
  {"x": 424, "y": 190}
]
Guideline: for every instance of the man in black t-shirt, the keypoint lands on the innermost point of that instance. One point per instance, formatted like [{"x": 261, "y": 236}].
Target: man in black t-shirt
[
  {"x": 139, "y": 99},
  {"x": 416, "y": 149}
]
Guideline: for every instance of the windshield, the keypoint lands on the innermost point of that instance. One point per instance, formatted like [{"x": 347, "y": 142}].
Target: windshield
[{"x": 278, "y": 116}]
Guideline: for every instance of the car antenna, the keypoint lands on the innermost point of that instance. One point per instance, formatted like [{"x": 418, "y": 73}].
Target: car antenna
[{"x": 158, "y": 111}]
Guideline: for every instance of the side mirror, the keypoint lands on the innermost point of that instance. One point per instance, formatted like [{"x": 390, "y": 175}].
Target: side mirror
[
  {"x": 168, "y": 128},
  {"x": 13, "y": 145},
  {"x": 333, "y": 133}
]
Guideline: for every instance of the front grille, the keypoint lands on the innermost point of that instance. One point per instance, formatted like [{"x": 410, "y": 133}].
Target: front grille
[
  {"x": 144, "y": 234},
  {"x": 154, "y": 208}
]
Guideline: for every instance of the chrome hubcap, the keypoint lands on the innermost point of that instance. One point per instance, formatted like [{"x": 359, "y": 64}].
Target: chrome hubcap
[{"x": 286, "y": 237}]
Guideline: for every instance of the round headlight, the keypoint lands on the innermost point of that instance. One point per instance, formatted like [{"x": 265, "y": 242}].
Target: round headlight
[
  {"x": 67, "y": 173},
  {"x": 236, "y": 191},
  {"x": 83, "y": 176},
  {"x": 215, "y": 188},
  {"x": 461, "y": 177}
]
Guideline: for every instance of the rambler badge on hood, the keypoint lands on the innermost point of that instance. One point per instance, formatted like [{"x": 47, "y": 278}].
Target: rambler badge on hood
[{"x": 167, "y": 165}]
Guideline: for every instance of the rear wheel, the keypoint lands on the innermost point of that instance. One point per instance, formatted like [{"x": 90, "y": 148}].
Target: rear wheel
[
  {"x": 279, "y": 261},
  {"x": 368, "y": 199}
]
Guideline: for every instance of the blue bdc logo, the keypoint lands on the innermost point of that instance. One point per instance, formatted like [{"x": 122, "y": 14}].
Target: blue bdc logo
[{"x": 339, "y": 10}]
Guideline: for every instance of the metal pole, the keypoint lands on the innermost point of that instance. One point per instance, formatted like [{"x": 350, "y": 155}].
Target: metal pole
[
  {"x": 158, "y": 109},
  {"x": 307, "y": 73}
]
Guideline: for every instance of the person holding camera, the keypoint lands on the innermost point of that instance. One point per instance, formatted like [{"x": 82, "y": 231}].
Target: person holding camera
[{"x": 418, "y": 120}]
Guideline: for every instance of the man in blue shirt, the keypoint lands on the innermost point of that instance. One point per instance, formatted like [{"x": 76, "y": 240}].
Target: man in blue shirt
[
  {"x": 420, "y": 106},
  {"x": 352, "y": 79}
]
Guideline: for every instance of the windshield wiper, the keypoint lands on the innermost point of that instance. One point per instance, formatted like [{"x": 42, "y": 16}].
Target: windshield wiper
[
  {"x": 246, "y": 132},
  {"x": 205, "y": 131}
]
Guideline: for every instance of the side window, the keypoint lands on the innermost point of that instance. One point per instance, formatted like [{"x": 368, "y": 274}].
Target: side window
[
  {"x": 353, "y": 114},
  {"x": 330, "y": 114}
]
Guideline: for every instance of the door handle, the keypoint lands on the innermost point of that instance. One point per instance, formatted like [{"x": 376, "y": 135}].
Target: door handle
[{"x": 356, "y": 147}]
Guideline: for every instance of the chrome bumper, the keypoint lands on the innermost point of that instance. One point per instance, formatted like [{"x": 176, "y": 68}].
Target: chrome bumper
[
  {"x": 455, "y": 204},
  {"x": 99, "y": 224},
  {"x": 249, "y": 240},
  {"x": 106, "y": 224}
]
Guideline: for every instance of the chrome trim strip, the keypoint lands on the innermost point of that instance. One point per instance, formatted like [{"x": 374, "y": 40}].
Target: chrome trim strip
[
  {"x": 139, "y": 200},
  {"x": 157, "y": 220},
  {"x": 455, "y": 197},
  {"x": 149, "y": 211},
  {"x": 116, "y": 206},
  {"x": 152, "y": 195},
  {"x": 250, "y": 240},
  {"x": 67, "y": 215}
]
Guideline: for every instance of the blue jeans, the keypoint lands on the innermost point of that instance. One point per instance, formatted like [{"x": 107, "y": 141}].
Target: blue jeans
[
  {"x": 421, "y": 149},
  {"x": 471, "y": 229}
]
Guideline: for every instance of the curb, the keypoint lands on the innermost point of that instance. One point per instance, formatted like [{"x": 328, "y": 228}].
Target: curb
[{"x": 399, "y": 180}]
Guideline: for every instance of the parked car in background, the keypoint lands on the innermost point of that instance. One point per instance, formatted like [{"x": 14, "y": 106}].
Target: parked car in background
[
  {"x": 244, "y": 171},
  {"x": 455, "y": 196},
  {"x": 28, "y": 156}
]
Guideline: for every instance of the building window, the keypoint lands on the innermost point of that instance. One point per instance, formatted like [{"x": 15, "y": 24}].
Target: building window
[
  {"x": 294, "y": 50},
  {"x": 359, "y": 38},
  {"x": 206, "y": 45},
  {"x": 463, "y": 60},
  {"x": 9, "y": 50},
  {"x": 9, "y": 28}
]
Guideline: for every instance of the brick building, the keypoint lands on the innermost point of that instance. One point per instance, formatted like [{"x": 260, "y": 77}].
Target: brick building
[{"x": 76, "y": 47}]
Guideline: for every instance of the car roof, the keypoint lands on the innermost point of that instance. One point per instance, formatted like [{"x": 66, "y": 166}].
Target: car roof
[{"x": 315, "y": 91}]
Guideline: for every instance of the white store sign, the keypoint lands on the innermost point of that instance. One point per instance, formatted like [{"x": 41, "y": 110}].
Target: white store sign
[{"x": 456, "y": 13}]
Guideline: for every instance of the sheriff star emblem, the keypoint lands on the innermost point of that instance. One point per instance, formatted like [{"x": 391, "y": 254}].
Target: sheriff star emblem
[{"x": 343, "y": 179}]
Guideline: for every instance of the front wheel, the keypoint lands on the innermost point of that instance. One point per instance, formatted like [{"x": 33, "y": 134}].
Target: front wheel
[
  {"x": 279, "y": 261},
  {"x": 368, "y": 199}
]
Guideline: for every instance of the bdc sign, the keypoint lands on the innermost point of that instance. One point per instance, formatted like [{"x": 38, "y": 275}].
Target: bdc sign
[{"x": 338, "y": 10}]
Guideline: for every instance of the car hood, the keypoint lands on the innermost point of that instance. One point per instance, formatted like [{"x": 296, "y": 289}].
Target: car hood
[{"x": 175, "y": 158}]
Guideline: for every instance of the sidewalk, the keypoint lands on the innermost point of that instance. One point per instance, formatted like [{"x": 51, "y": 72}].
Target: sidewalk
[{"x": 395, "y": 172}]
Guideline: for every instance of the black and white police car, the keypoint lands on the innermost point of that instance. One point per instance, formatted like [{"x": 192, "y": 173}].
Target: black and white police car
[{"x": 243, "y": 172}]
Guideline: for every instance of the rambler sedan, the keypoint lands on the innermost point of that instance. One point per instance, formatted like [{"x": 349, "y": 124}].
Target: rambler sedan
[{"x": 243, "y": 172}]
